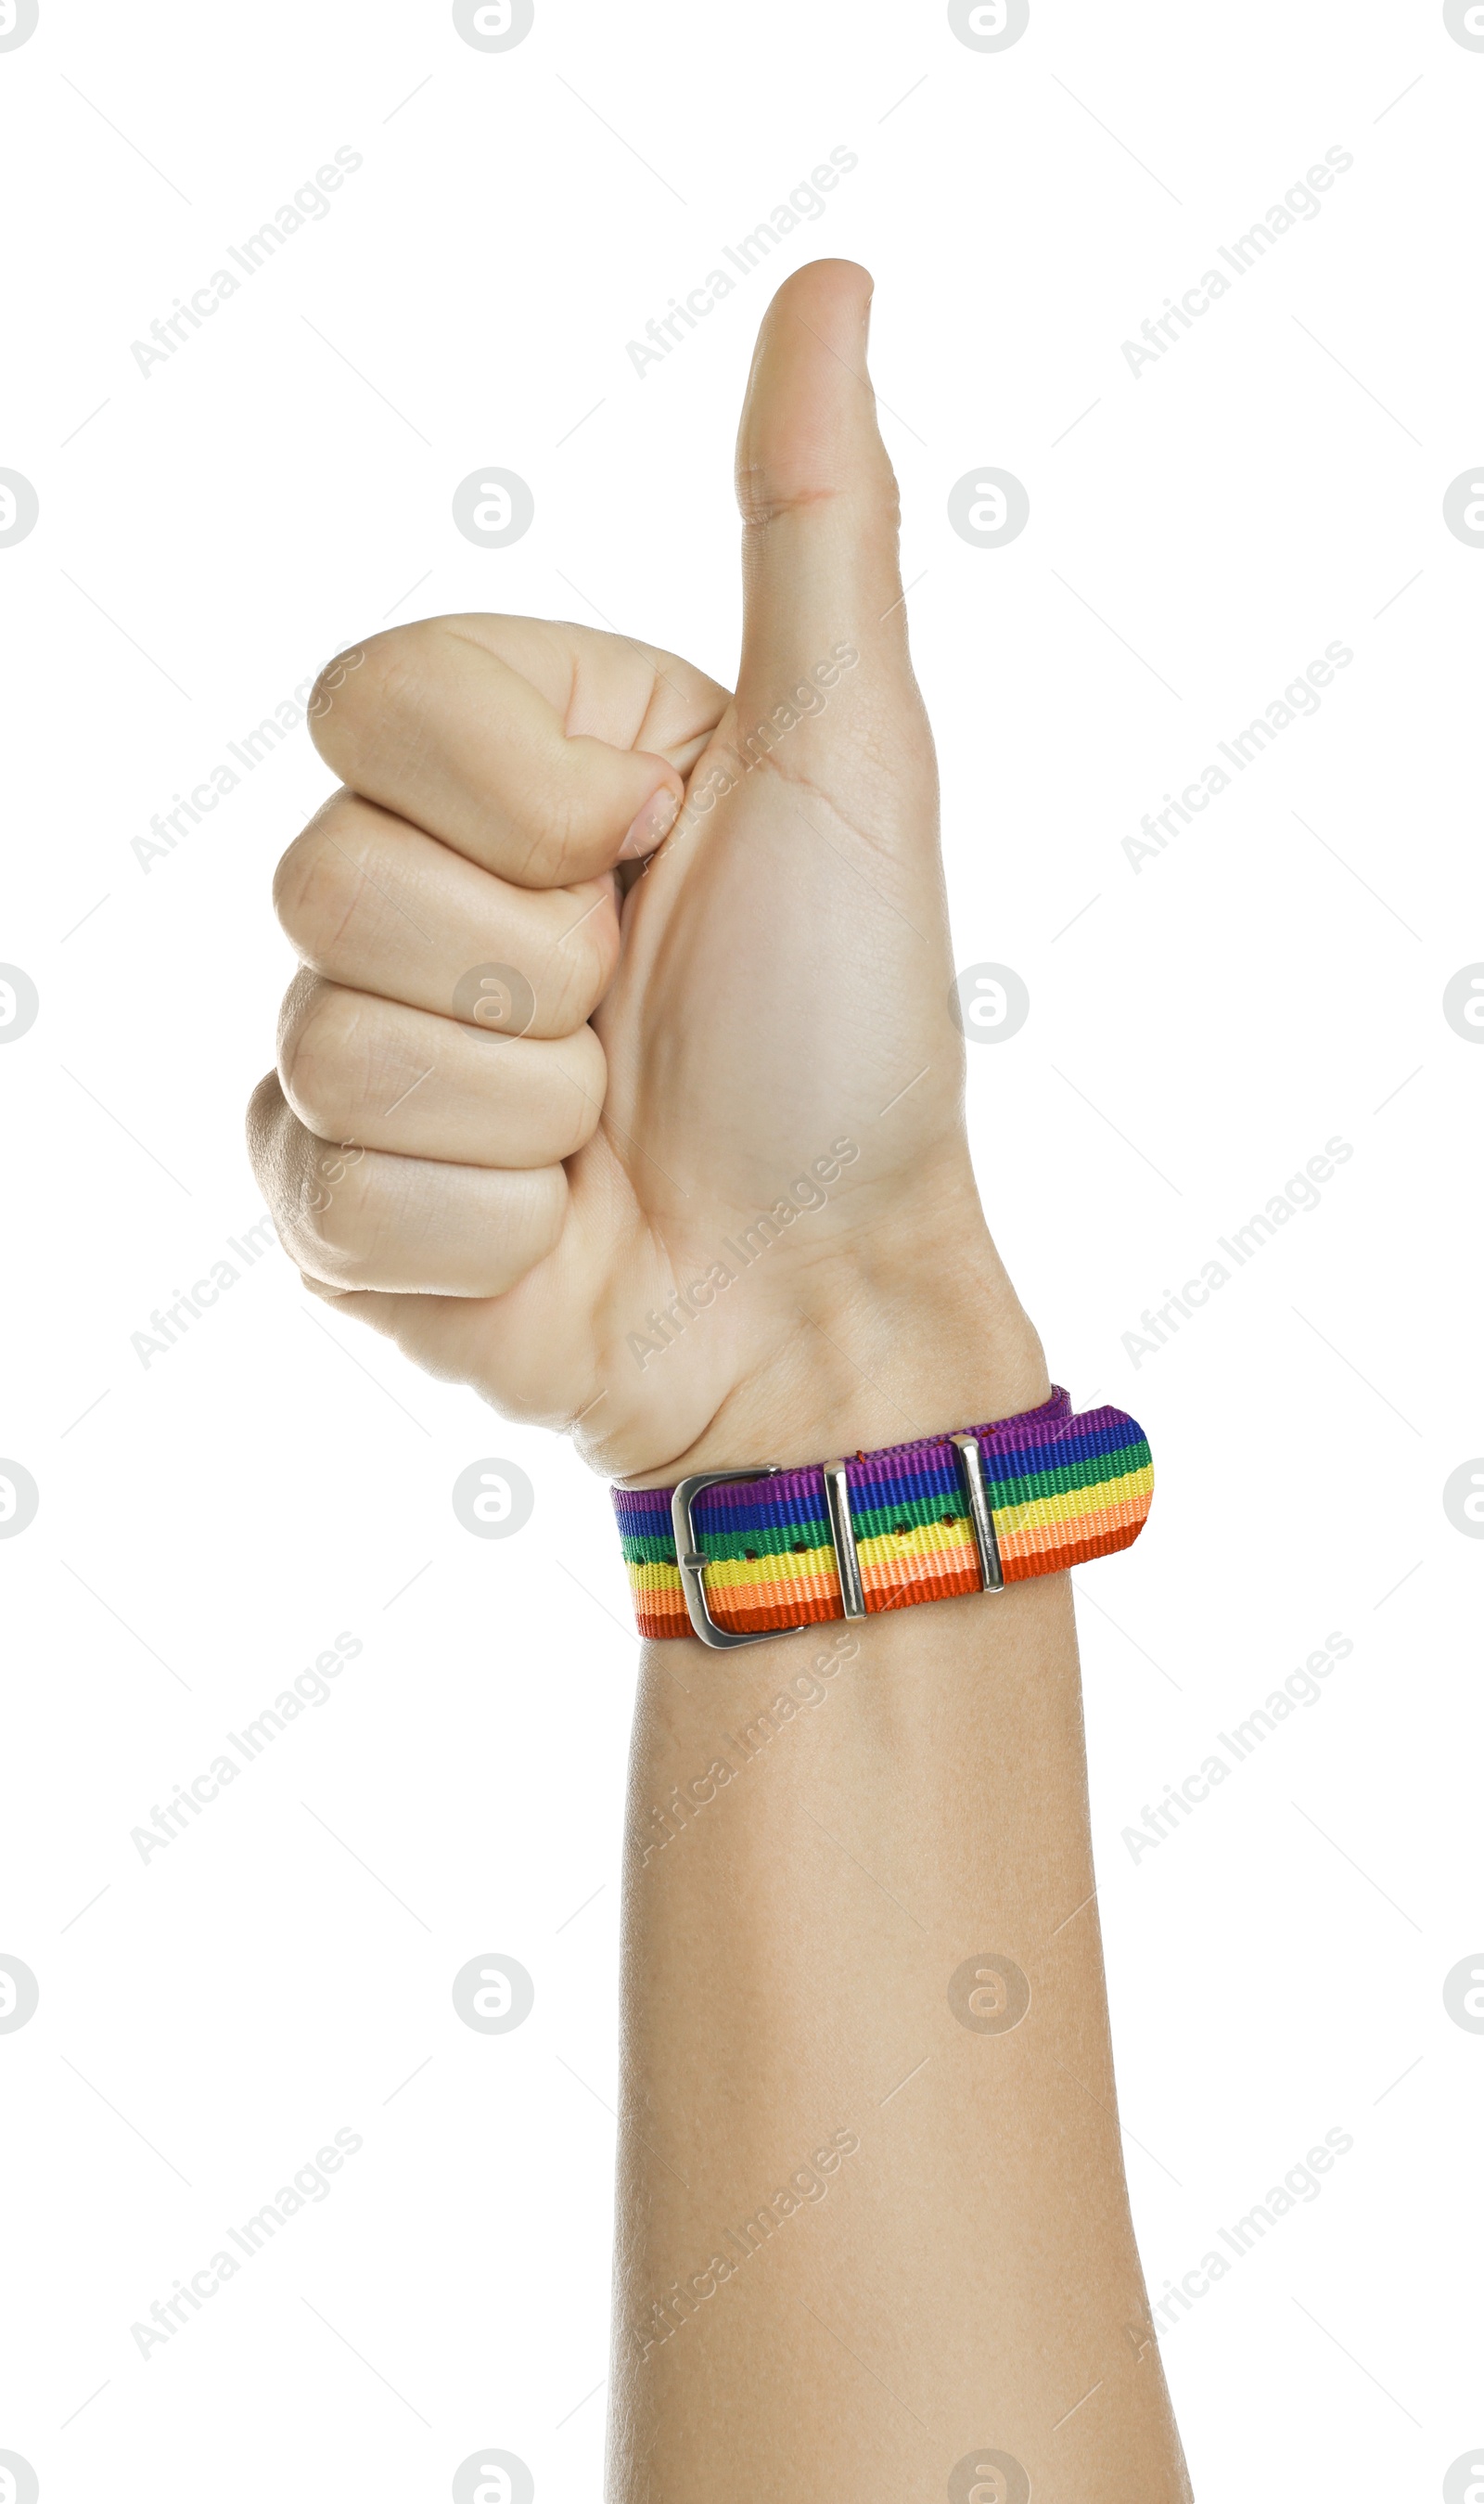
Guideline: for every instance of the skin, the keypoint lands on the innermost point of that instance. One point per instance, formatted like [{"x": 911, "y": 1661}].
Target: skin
[{"x": 726, "y": 913}]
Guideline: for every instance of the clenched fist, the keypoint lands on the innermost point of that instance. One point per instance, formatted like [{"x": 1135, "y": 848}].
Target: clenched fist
[{"x": 620, "y": 1080}]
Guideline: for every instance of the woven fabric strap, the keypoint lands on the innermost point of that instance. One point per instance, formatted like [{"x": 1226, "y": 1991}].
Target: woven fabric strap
[{"x": 1062, "y": 1488}]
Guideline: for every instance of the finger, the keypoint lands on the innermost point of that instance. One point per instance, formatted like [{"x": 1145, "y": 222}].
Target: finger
[
  {"x": 401, "y": 1224},
  {"x": 432, "y": 724},
  {"x": 371, "y": 902},
  {"x": 606, "y": 686},
  {"x": 354, "y": 1067},
  {"x": 816, "y": 491}
]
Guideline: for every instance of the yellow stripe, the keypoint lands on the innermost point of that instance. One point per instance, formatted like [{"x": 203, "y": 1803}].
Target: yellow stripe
[
  {"x": 930, "y": 1545},
  {"x": 1121, "y": 1522},
  {"x": 731, "y": 1578},
  {"x": 1078, "y": 1504},
  {"x": 749, "y": 1573},
  {"x": 654, "y": 1577}
]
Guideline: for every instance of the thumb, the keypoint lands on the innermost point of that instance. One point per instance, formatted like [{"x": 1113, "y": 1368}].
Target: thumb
[{"x": 816, "y": 491}]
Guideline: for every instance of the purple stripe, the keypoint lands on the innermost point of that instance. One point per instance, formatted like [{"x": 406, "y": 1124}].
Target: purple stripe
[{"x": 1011, "y": 1448}]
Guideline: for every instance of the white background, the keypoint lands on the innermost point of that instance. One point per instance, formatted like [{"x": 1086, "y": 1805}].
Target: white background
[{"x": 208, "y": 535}]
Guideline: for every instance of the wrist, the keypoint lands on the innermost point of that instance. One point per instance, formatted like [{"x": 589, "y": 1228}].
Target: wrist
[{"x": 880, "y": 1347}]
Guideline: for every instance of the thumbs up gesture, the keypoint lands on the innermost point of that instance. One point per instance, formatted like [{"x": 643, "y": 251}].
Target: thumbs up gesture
[{"x": 620, "y": 1080}]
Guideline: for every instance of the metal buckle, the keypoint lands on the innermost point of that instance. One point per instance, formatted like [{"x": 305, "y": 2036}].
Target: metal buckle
[
  {"x": 693, "y": 1564},
  {"x": 970, "y": 1471}
]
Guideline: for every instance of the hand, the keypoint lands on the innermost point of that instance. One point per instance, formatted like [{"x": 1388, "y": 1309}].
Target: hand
[{"x": 714, "y": 1203}]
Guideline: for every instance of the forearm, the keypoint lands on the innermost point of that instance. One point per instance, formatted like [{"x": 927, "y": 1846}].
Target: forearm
[{"x": 828, "y": 1837}]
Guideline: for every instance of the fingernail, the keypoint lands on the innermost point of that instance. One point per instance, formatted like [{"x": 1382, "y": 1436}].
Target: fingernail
[{"x": 652, "y": 825}]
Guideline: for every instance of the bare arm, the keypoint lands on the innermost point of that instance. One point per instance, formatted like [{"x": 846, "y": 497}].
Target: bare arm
[
  {"x": 598, "y": 958},
  {"x": 873, "y": 2234}
]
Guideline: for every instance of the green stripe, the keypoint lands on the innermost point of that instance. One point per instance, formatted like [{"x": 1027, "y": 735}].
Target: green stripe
[
  {"x": 809, "y": 1537},
  {"x": 1067, "y": 1475},
  {"x": 647, "y": 1548}
]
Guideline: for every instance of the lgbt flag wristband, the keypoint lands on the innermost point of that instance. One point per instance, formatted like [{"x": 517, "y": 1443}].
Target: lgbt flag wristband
[{"x": 735, "y": 1556}]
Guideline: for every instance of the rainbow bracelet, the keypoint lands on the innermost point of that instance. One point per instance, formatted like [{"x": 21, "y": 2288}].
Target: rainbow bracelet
[{"x": 735, "y": 1556}]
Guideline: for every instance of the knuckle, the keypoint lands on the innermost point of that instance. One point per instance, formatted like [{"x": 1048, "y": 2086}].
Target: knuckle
[
  {"x": 333, "y": 1223},
  {"x": 330, "y": 699},
  {"x": 318, "y": 1196},
  {"x": 325, "y": 1210},
  {"x": 547, "y": 857},
  {"x": 318, "y": 1060},
  {"x": 363, "y": 697},
  {"x": 535, "y": 1213},
  {"x": 267, "y": 1114},
  {"x": 578, "y": 975},
  {"x": 315, "y": 887},
  {"x": 585, "y": 1066},
  {"x": 768, "y": 492},
  {"x": 604, "y": 942},
  {"x": 568, "y": 828}
]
